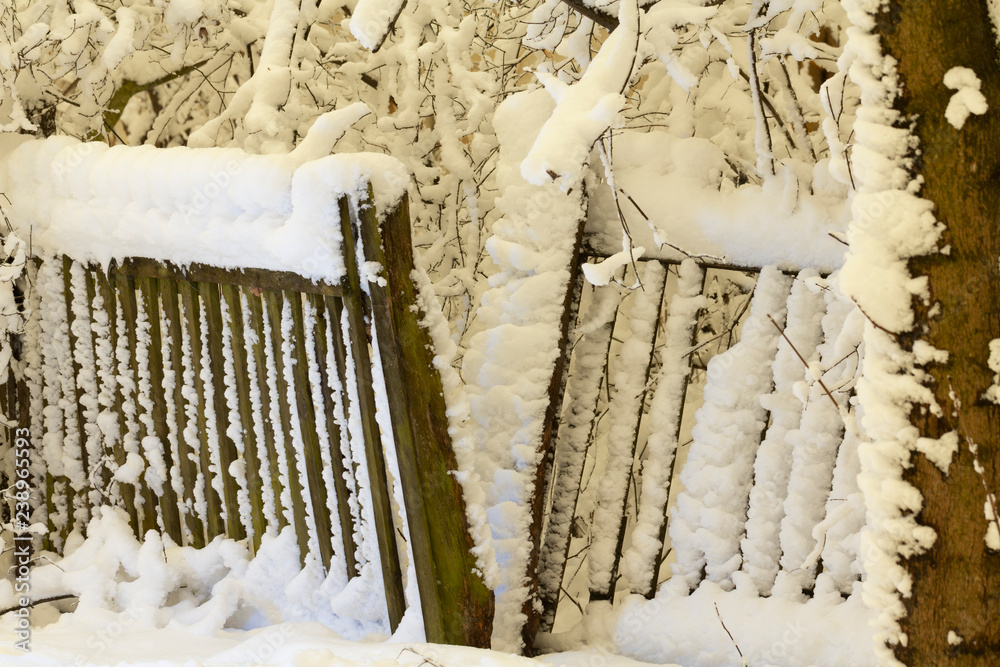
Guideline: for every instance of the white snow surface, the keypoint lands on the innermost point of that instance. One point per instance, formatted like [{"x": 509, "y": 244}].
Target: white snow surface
[{"x": 217, "y": 206}]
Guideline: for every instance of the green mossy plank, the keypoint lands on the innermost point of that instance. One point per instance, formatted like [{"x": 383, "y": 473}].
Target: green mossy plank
[{"x": 140, "y": 267}]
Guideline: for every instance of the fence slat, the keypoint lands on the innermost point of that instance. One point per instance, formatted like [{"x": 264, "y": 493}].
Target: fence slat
[
  {"x": 241, "y": 378},
  {"x": 330, "y": 360},
  {"x": 624, "y": 414},
  {"x": 133, "y": 430},
  {"x": 573, "y": 440},
  {"x": 76, "y": 445},
  {"x": 225, "y": 450},
  {"x": 308, "y": 424},
  {"x": 286, "y": 452},
  {"x": 392, "y": 576},
  {"x": 641, "y": 564},
  {"x": 151, "y": 369},
  {"x": 187, "y": 448},
  {"x": 209, "y": 501},
  {"x": 260, "y": 349}
]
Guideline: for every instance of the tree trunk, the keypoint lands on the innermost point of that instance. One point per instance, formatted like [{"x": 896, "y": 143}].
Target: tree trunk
[{"x": 956, "y": 584}]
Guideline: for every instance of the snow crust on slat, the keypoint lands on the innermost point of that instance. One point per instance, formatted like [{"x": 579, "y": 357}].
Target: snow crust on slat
[
  {"x": 275, "y": 418},
  {"x": 218, "y": 206},
  {"x": 508, "y": 364},
  {"x": 814, "y": 449},
  {"x": 629, "y": 381},
  {"x": 155, "y": 474},
  {"x": 338, "y": 568},
  {"x": 257, "y": 416},
  {"x": 32, "y": 368},
  {"x": 174, "y": 442},
  {"x": 710, "y": 517},
  {"x": 234, "y": 428},
  {"x": 803, "y": 333},
  {"x": 583, "y": 392},
  {"x": 52, "y": 319},
  {"x": 86, "y": 379},
  {"x": 192, "y": 444},
  {"x": 363, "y": 598},
  {"x": 664, "y": 426},
  {"x": 211, "y": 417}
]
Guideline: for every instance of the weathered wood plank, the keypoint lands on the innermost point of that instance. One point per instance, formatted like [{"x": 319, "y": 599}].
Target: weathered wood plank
[
  {"x": 140, "y": 267},
  {"x": 330, "y": 348},
  {"x": 227, "y": 452},
  {"x": 261, "y": 348},
  {"x": 125, "y": 288},
  {"x": 109, "y": 300},
  {"x": 149, "y": 289},
  {"x": 457, "y": 606},
  {"x": 274, "y": 302},
  {"x": 313, "y": 458},
  {"x": 213, "y": 513},
  {"x": 188, "y": 452},
  {"x": 392, "y": 576},
  {"x": 258, "y": 526}
]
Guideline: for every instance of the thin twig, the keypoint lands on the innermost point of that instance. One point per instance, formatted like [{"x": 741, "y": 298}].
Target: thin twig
[
  {"x": 745, "y": 663},
  {"x": 804, "y": 362},
  {"x": 54, "y": 598}
]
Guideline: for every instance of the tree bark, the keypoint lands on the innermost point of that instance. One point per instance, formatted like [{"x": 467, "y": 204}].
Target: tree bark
[{"x": 956, "y": 584}]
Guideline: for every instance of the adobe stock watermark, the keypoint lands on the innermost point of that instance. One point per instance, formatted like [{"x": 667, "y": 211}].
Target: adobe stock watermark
[
  {"x": 210, "y": 190},
  {"x": 22, "y": 539}
]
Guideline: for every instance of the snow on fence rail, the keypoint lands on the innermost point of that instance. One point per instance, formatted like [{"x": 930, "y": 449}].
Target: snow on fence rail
[
  {"x": 208, "y": 401},
  {"x": 754, "y": 492}
]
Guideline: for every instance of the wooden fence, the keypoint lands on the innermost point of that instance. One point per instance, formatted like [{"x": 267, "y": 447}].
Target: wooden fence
[
  {"x": 644, "y": 489},
  {"x": 211, "y": 402}
]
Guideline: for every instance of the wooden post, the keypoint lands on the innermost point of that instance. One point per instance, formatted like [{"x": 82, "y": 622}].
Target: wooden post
[
  {"x": 392, "y": 576},
  {"x": 457, "y": 606}
]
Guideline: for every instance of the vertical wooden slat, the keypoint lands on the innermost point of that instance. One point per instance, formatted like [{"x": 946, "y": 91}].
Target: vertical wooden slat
[
  {"x": 392, "y": 576},
  {"x": 313, "y": 458},
  {"x": 81, "y": 424},
  {"x": 329, "y": 342},
  {"x": 574, "y": 439},
  {"x": 457, "y": 606},
  {"x": 258, "y": 526},
  {"x": 125, "y": 287},
  {"x": 127, "y": 491},
  {"x": 227, "y": 454},
  {"x": 625, "y": 413},
  {"x": 214, "y": 519},
  {"x": 149, "y": 290},
  {"x": 188, "y": 454},
  {"x": 274, "y": 302},
  {"x": 255, "y": 318}
]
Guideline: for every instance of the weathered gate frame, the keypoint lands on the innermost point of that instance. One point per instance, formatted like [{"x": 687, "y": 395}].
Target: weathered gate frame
[{"x": 457, "y": 607}]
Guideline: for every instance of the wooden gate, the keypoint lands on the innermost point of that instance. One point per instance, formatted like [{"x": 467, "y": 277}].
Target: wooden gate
[
  {"x": 206, "y": 402},
  {"x": 755, "y": 490}
]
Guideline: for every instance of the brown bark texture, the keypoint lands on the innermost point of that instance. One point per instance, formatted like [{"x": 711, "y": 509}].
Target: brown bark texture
[{"x": 956, "y": 584}]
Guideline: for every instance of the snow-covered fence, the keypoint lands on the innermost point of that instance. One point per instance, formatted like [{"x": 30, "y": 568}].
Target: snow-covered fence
[
  {"x": 755, "y": 490},
  {"x": 276, "y": 381}
]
